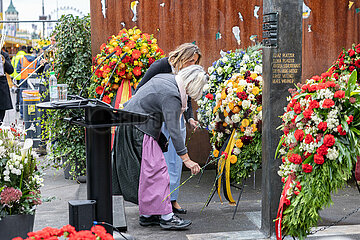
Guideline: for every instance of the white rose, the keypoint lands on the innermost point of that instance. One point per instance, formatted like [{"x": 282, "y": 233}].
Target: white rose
[
  {"x": 242, "y": 83},
  {"x": 212, "y": 78},
  {"x": 235, "y": 118},
  {"x": 224, "y": 59},
  {"x": 211, "y": 70},
  {"x": 236, "y": 151},
  {"x": 219, "y": 70},
  {"x": 246, "y": 57},
  {"x": 258, "y": 69},
  {"x": 246, "y": 104}
]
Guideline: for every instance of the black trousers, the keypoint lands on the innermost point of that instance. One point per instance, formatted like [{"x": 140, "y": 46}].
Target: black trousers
[{"x": 2, "y": 115}]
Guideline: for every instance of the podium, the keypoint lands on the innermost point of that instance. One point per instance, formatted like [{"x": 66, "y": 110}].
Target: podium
[{"x": 98, "y": 120}]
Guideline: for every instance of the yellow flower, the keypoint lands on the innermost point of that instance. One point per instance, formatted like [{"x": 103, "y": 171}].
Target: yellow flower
[
  {"x": 253, "y": 75},
  {"x": 254, "y": 127},
  {"x": 154, "y": 41},
  {"x": 239, "y": 89},
  {"x": 231, "y": 105},
  {"x": 225, "y": 124},
  {"x": 236, "y": 109},
  {"x": 137, "y": 31},
  {"x": 239, "y": 143},
  {"x": 117, "y": 79},
  {"x": 233, "y": 159},
  {"x": 259, "y": 108},
  {"x": 223, "y": 94},
  {"x": 255, "y": 90},
  {"x": 245, "y": 122},
  {"x": 111, "y": 95},
  {"x": 216, "y": 153},
  {"x": 215, "y": 109},
  {"x": 130, "y": 32},
  {"x": 226, "y": 113},
  {"x": 136, "y": 63}
]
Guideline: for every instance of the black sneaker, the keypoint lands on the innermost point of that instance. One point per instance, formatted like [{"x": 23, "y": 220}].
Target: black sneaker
[
  {"x": 149, "y": 221},
  {"x": 174, "y": 223}
]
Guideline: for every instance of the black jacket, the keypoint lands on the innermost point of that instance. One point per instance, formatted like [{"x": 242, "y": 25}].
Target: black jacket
[
  {"x": 163, "y": 66},
  {"x": 5, "y": 99}
]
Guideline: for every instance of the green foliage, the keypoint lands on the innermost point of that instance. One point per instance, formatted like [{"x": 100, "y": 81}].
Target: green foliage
[{"x": 73, "y": 67}]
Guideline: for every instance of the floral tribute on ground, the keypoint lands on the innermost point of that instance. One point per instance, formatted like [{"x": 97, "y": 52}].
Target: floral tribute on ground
[
  {"x": 114, "y": 77},
  {"x": 321, "y": 126},
  {"x": 230, "y": 110},
  {"x": 20, "y": 179},
  {"x": 69, "y": 232}
]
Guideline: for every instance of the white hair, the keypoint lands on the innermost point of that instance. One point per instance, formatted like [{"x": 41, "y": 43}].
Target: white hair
[{"x": 194, "y": 78}]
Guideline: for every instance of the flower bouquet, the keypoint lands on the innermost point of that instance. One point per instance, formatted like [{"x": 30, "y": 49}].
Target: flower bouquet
[
  {"x": 231, "y": 62},
  {"x": 236, "y": 128},
  {"x": 321, "y": 126},
  {"x": 141, "y": 49},
  {"x": 69, "y": 232},
  {"x": 20, "y": 180}
]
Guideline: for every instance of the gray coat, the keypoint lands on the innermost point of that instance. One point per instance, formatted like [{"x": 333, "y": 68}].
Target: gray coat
[{"x": 160, "y": 98}]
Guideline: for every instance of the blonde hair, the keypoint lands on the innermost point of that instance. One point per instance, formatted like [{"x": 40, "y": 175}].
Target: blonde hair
[
  {"x": 183, "y": 54},
  {"x": 194, "y": 78}
]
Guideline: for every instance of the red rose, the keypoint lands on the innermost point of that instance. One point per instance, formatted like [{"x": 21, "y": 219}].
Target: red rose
[
  {"x": 209, "y": 96},
  {"x": 316, "y": 78},
  {"x": 318, "y": 159},
  {"x": 297, "y": 108},
  {"x": 358, "y": 50},
  {"x": 99, "y": 90},
  {"x": 307, "y": 113},
  {"x": 339, "y": 94},
  {"x": 330, "y": 84},
  {"x": 304, "y": 87},
  {"x": 322, "y": 126},
  {"x": 329, "y": 140},
  {"x": 299, "y": 135},
  {"x": 287, "y": 202},
  {"x": 225, "y": 154},
  {"x": 322, "y": 150},
  {"x": 350, "y": 119},
  {"x": 151, "y": 60},
  {"x": 309, "y": 139},
  {"x": 328, "y": 103},
  {"x": 320, "y": 86},
  {"x": 351, "y": 68},
  {"x": 351, "y": 52},
  {"x": 340, "y": 130},
  {"x": 357, "y": 62},
  {"x": 296, "y": 193},
  {"x": 295, "y": 158},
  {"x": 312, "y": 88},
  {"x": 298, "y": 185},
  {"x": 307, "y": 168},
  {"x": 314, "y": 104}
]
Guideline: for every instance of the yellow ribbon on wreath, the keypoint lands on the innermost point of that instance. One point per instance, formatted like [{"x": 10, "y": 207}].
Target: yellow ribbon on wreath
[{"x": 225, "y": 163}]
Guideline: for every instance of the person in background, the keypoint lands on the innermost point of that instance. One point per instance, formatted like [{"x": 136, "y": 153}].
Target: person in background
[
  {"x": 5, "y": 98},
  {"x": 184, "y": 55},
  {"x": 140, "y": 172},
  {"x": 14, "y": 62},
  {"x": 29, "y": 63}
]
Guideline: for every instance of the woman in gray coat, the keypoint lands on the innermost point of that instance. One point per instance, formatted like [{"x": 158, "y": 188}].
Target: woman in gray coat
[{"x": 139, "y": 168}]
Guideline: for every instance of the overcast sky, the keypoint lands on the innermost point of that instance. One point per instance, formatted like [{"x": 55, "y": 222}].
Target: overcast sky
[{"x": 32, "y": 9}]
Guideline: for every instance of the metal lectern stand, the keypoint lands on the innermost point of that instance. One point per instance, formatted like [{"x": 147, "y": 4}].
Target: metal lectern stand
[{"x": 99, "y": 118}]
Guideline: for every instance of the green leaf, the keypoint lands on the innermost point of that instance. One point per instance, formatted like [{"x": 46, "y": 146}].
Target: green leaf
[{"x": 351, "y": 83}]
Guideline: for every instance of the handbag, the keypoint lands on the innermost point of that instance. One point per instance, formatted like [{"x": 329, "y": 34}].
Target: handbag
[{"x": 163, "y": 142}]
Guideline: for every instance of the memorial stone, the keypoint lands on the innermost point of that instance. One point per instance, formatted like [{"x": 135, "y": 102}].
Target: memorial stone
[{"x": 282, "y": 56}]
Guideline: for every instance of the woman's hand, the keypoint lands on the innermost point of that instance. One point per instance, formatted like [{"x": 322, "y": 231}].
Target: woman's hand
[
  {"x": 193, "y": 166},
  {"x": 193, "y": 123}
]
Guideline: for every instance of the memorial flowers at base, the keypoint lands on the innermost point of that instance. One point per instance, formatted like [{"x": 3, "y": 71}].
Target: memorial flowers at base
[
  {"x": 231, "y": 62},
  {"x": 236, "y": 128},
  {"x": 141, "y": 51},
  {"x": 321, "y": 126},
  {"x": 69, "y": 232},
  {"x": 20, "y": 179}
]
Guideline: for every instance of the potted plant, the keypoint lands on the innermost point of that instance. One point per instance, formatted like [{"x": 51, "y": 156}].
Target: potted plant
[{"x": 20, "y": 183}]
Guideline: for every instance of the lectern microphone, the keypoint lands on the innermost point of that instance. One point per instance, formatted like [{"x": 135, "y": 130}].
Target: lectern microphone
[{"x": 107, "y": 57}]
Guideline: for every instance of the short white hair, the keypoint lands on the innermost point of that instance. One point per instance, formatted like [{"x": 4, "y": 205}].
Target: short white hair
[{"x": 194, "y": 78}]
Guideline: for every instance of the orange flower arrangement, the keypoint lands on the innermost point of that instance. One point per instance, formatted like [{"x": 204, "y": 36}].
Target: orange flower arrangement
[{"x": 141, "y": 51}]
